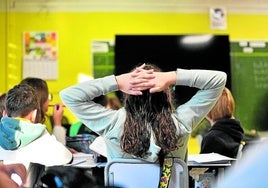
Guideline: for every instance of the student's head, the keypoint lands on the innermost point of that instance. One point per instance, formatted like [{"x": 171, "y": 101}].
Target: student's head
[
  {"x": 113, "y": 103},
  {"x": 2, "y": 105},
  {"x": 148, "y": 112},
  {"x": 21, "y": 101},
  {"x": 41, "y": 88},
  {"x": 102, "y": 100},
  {"x": 224, "y": 108}
]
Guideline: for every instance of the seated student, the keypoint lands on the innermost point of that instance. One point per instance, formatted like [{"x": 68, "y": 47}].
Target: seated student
[
  {"x": 55, "y": 126},
  {"x": 22, "y": 140},
  {"x": 226, "y": 132},
  {"x": 147, "y": 127},
  {"x": 2, "y": 105},
  {"x": 80, "y": 128},
  {"x": 111, "y": 102}
]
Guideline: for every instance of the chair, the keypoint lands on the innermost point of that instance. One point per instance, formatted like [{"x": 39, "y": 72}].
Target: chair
[
  {"x": 240, "y": 149},
  {"x": 134, "y": 173},
  {"x": 34, "y": 173}
]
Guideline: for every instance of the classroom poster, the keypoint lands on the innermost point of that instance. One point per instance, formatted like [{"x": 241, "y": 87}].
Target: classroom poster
[
  {"x": 218, "y": 18},
  {"x": 40, "y": 55},
  {"x": 103, "y": 57}
]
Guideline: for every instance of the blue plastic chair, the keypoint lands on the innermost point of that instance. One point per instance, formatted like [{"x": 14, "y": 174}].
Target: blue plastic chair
[{"x": 134, "y": 173}]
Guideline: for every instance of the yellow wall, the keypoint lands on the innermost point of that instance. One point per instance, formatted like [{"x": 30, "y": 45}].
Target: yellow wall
[
  {"x": 77, "y": 30},
  {"x": 2, "y": 52}
]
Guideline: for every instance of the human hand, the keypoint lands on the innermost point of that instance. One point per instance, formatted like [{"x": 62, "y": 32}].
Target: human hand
[
  {"x": 162, "y": 81},
  {"x": 72, "y": 150},
  {"x": 58, "y": 113},
  {"x": 136, "y": 81},
  {"x": 6, "y": 172}
]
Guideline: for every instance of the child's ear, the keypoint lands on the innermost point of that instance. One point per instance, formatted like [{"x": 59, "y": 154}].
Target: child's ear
[
  {"x": 33, "y": 115},
  {"x": 4, "y": 113}
]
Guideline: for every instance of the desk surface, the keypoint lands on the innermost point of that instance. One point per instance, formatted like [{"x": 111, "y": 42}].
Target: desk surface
[
  {"x": 195, "y": 164},
  {"x": 211, "y": 160}
]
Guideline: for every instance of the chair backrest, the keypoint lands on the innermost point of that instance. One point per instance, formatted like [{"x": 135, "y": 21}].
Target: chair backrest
[
  {"x": 134, "y": 173},
  {"x": 180, "y": 176},
  {"x": 240, "y": 150}
]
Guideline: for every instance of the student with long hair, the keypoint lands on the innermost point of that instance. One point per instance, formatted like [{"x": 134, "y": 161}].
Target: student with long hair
[{"x": 147, "y": 126}]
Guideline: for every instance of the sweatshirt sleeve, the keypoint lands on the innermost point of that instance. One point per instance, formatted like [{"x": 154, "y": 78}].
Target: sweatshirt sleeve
[
  {"x": 210, "y": 84},
  {"x": 60, "y": 133},
  {"x": 78, "y": 99}
]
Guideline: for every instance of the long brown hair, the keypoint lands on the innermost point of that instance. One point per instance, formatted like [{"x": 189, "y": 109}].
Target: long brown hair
[{"x": 149, "y": 114}]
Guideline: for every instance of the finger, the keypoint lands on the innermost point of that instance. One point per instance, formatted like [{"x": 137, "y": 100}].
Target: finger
[
  {"x": 142, "y": 86},
  {"x": 139, "y": 69},
  {"x": 133, "y": 92},
  {"x": 155, "y": 89},
  {"x": 6, "y": 181},
  {"x": 18, "y": 169},
  {"x": 142, "y": 66},
  {"x": 23, "y": 174},
  {"x": 146, "y": 85},
  {"x": 141, "y": 82},
  {"x": 142, "y": 77},
  {"x": 142, "y": 73}
]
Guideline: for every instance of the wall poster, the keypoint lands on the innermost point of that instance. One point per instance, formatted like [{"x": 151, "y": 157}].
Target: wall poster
[
  {"x": 40, "y": 55},
  {"x": 103, "y": 57},
  {"x": 218, "y": 18}
]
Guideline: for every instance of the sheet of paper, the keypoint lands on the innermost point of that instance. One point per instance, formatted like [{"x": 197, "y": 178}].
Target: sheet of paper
[
  {"x": 209, "y": 158},
  {"x": 83, "y": 160},
  {"x": 99, "y": 146}
]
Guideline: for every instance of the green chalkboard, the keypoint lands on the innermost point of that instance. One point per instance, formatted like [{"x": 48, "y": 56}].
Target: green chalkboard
[
  {"x": 249, "y": 69},
  {"x": 103, "y": 58}
]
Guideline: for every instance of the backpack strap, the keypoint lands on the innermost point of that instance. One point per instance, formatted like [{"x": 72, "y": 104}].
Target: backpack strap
[{"x": 166, "y": 172}]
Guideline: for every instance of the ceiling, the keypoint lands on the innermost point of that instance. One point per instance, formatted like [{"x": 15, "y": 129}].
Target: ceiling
[{"x": 231, "y": 6}]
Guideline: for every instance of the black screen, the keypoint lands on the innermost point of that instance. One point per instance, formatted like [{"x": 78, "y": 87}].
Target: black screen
[{"x": 174, "y": 51}]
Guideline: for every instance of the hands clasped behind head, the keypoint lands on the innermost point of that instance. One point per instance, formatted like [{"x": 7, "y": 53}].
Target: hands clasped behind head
[
  {"x": 142, "y": 79},
  {"x": 145, "y": 78}
]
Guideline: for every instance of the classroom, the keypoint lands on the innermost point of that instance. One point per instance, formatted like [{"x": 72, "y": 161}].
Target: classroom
[{"x": 79, "y": 29}]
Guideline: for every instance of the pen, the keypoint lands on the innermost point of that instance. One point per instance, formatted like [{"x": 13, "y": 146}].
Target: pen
[{"x": 52, "y": 105}]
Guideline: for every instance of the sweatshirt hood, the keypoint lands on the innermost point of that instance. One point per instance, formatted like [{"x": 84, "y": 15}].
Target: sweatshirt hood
[
  {"x": 16, "y": 133},
  {"x": 230, "y": 127}
]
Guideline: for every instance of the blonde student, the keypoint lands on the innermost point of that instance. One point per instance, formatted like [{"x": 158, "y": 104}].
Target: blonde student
[{"x": 226, "y": 132}]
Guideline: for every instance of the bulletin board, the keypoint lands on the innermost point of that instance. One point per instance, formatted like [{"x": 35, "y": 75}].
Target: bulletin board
[
  {"x": 40, "y": 55},
  {"x": 249, "y": 65},
  {"x": 103, "y": 57}
]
